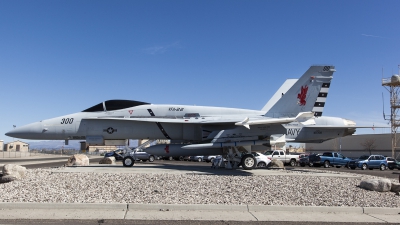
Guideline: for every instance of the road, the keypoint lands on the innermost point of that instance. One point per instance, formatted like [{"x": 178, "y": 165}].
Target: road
[{"x": 42, "y": 163}]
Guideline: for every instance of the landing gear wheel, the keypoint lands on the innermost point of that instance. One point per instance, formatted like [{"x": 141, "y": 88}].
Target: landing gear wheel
[
  {"x": 151, "y": 158},
  {"x": 327, "y": 164},
  {"x": 128, "y": 161},
  {"x": 248, "y": 162}
]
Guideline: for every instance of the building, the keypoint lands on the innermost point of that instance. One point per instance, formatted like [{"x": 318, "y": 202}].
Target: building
[
  {"x": 357, "y": 145},
  {"x": 16, "y": 146},
  {"x": 1, "y": 145}
]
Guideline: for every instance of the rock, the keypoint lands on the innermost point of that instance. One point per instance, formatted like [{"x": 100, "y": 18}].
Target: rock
[
  {"x": 395, "y": 188},
  {"x": 381, "y": 185},
  {"x": 276, "y": 164},
  {"x": 6, "y": 179},
  {"x": 78, "y": 160},
  {"x": 14, "y": 170},
  {"x": 107, "y": 160}
]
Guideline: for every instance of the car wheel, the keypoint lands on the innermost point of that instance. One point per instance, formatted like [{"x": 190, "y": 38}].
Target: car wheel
[
  {"x": 327, "y": 164},
  {"x": 382, "y": 167},
  {"x": 261, "y": 165},
  {"x": 180, "y": 158},
  {"x": 151, "y": 158},
  {"x": 248, "y": 162},
  {"x": 364, "y": 166},
  {"x": 211, "y": 160},
  {"x": 292, "y": 162},
  {"x": 353, "y": 168},
  {"x": 199, "y": 160},
  {"x": 128, "y": 161},
  {"x": 171, "y": 158}
]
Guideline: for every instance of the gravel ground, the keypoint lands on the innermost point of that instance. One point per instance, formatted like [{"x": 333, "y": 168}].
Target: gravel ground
[{"x": 42, "y": 185}]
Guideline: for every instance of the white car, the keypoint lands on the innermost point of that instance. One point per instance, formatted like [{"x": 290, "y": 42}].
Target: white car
[{"x": 262, "y": 160}]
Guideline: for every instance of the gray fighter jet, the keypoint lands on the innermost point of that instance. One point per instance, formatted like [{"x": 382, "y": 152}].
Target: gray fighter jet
[{"x": 203, "y": 129}]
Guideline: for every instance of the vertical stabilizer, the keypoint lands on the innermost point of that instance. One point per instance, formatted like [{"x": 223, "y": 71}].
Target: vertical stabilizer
[
  {"x": 279, "y": 93},
  {"x": 307, "y": 94}
]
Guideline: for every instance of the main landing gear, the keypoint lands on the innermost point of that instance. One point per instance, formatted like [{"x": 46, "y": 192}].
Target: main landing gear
[{"x": 236, "y": 159}]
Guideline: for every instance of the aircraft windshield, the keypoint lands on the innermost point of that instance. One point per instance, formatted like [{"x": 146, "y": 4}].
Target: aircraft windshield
[{"x": 111, "y": 105}]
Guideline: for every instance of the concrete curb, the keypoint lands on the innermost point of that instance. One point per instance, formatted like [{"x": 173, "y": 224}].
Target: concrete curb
[
  {"x": 34, "y": 205},
  {"x": 133, "y": 211}
]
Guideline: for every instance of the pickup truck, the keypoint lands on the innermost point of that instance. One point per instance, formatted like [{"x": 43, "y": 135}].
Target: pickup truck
[
  {"x": 328, "y": 159},
  {"x": 281, "y": 155}
]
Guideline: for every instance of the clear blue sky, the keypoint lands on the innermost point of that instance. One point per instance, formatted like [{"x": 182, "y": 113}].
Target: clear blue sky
[{"x": 60, "y": 57}]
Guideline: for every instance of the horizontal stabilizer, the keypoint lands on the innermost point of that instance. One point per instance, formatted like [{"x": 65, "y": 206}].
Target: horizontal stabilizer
[{"x": 301, "y": 117}]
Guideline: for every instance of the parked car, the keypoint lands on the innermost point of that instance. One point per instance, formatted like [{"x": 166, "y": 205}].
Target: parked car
[
  {"x": 180, "y": 158},
  {"x": 197, "y": 158},
  {"x": 328, "y": 159},
  {"x": 262, "y": 160},
  {"x": 144, "y": 156},
  {"x": 281, "y": 155},
  {"x": 119, "y": 155},
  {"x": 305, "y": 160},
  {"x": 209, "y": 158},
  {"x": 393, "y": 163},
  {"x": 369, "y": 162}
]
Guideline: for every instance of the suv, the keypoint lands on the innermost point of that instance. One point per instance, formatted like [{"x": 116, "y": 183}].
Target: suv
[
  {"x": 393, "y": 163},
  {"x": 369, "y": 162}
]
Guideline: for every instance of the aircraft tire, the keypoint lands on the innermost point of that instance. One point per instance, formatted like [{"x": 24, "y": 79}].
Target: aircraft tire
[
  {"x": 128, "y": 161},
  {"x": 248, "y": 162}
]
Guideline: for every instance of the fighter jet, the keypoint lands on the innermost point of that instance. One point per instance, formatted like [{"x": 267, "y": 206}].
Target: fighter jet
[{"x": 296, "y": 113}]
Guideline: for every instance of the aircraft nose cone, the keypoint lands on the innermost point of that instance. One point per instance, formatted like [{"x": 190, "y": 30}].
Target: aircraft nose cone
[{"x": 29, "y": 131}]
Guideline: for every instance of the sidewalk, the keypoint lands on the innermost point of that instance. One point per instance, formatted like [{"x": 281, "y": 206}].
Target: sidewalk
[{"x": 197, "y": 212}]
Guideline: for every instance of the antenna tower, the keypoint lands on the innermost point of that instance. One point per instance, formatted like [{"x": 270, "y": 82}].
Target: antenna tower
[{"x": 392, "y": 84}]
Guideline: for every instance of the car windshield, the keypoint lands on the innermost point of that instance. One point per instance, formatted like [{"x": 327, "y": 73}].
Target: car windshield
[
  {"x": 363, "y": 157},
  {"x": 268, "y": 153}
]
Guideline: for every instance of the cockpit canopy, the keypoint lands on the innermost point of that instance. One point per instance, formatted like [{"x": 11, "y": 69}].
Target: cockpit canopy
[{"x": 111, "y": 105}]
